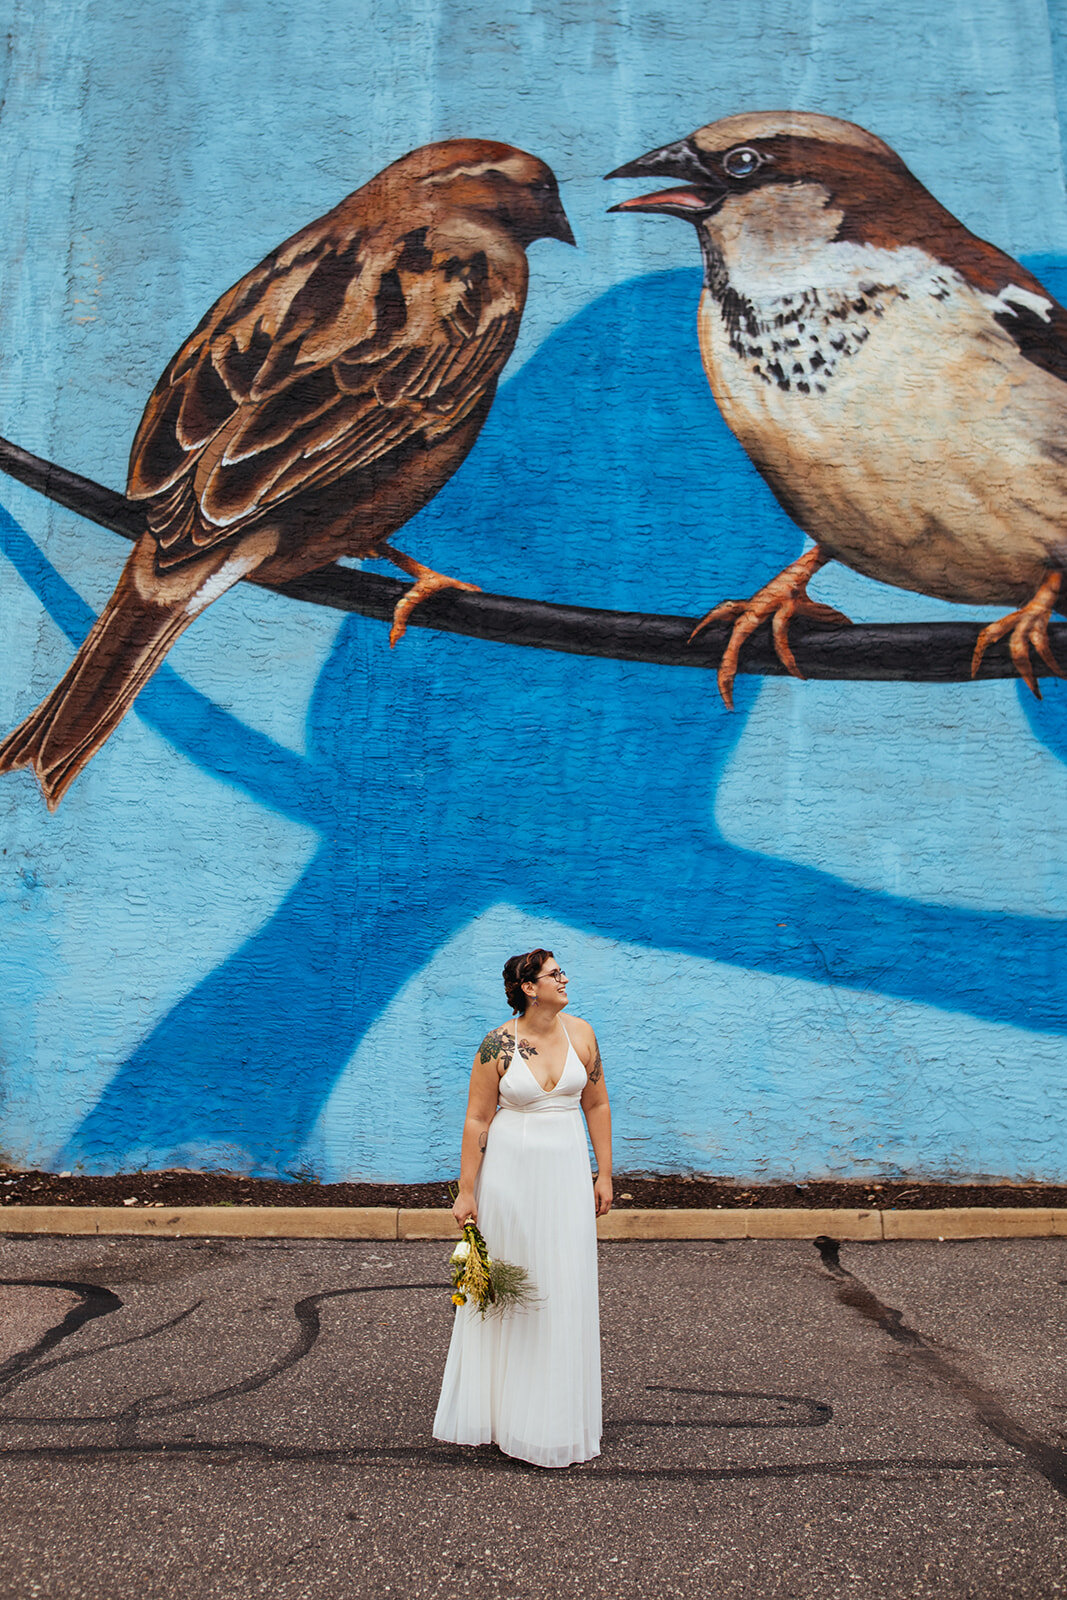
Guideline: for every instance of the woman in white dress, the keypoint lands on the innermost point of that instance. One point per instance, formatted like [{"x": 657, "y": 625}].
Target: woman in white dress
[{"x": 530, "y": 1379}]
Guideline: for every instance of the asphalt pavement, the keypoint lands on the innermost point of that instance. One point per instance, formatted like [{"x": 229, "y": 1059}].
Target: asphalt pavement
[{"x": 233, "y": 1418}]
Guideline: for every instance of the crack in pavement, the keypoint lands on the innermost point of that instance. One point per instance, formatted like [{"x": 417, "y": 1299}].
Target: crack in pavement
[{"x": 1044, "y": 1457}]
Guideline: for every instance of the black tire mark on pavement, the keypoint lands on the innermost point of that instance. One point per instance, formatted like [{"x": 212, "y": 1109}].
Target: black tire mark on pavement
[
  {"x": 441, "y": 1456},
  {"x": 95, "y": 1302},
  {"x": 81, "y": 1355},
  {"x": 488, "y": 1458},
  {"x": 1045, "y": 1458},
  {"x": 306, "y": 1312},
  {"x": 812, "y": 1413}
]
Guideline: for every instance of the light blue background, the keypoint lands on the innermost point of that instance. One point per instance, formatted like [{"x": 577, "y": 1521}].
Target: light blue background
[{"x": 264, "y": 930}]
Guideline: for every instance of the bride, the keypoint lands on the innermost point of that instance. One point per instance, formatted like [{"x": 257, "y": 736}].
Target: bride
[{"x": 530, "y": 1379}]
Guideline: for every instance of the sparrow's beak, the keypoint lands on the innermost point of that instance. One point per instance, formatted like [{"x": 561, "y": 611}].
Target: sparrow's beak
[
  {"x": 556, "y": 224},
  {"x": 704, "y": 191}
]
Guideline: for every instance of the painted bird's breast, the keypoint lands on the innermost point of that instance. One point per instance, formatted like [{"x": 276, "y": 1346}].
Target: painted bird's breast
[
  {"x": 802, "y": 342},
  {"x": 901, "y": 427}
]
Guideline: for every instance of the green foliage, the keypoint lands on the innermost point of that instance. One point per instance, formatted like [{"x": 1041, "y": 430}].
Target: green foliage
[{"x": 493, "y": 1286}]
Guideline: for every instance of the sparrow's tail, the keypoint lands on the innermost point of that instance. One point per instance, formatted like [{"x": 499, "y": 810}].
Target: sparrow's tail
[{"x": 127, "y": 643}]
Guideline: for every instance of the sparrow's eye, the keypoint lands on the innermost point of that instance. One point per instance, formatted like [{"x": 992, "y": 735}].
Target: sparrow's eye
[{"x": 742, "y": 162}]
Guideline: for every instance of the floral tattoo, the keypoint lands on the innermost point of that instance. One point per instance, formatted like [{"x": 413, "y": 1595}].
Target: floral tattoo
[
  {"x": 501, "y": 1043},
  {"x": 596, "y": 1071}
]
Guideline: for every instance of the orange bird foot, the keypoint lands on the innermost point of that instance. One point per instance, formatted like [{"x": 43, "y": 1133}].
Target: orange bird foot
[
  {"x": 1028, "y": 628},
  {"x": 427, "y": 582},
  {"x": 779, "y": 601}
]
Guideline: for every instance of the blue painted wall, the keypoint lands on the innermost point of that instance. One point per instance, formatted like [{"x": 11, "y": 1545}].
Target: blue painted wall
[{"x": 264, "y": 931}]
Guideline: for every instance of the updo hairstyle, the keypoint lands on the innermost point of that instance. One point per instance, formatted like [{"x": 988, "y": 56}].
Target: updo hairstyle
[{"x": 519, "y": 970}]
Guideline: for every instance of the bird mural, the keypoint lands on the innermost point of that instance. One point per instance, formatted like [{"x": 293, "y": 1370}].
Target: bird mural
[
  {"x": 900, "y": 383},
  {"x": 320, "y": 403}
]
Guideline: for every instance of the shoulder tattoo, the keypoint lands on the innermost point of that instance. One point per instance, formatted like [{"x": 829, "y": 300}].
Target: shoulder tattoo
[
  {"x": 500, "y": 1046},
  {"x": 491, "y": 1046},
  {"x": 596, "y": 1071}
]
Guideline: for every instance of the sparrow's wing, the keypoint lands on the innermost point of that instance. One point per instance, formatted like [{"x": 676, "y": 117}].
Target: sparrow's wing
[
  {"x": 1039, "y": 333},
  {"x": 317, "y": 365}
]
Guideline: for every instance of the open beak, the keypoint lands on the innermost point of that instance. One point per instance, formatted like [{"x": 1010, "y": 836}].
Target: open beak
[{"x": 703, "y": 193}]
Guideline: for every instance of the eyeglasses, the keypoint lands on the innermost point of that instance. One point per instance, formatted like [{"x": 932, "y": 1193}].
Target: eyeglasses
[{"x": 555, "y": 974}]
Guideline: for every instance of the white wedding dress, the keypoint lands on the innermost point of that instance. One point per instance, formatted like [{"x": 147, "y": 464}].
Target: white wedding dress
[{"x": 530, "y": 1379}]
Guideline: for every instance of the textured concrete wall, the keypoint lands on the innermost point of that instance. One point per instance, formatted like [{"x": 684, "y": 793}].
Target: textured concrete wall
[{"x": 821, "y": 934}]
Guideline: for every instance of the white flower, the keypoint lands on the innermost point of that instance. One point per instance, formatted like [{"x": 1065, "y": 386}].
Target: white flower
[{"x": 462, "y": 1251}]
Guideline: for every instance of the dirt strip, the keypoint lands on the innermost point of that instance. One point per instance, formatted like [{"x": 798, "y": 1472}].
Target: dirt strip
[{"x": 179, "y": 1187}]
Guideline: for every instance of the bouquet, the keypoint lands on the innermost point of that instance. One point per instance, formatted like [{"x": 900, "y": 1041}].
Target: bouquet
[{"x": 490, "y": 1285}]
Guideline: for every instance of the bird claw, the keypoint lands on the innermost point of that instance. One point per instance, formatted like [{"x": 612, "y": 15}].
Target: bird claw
[
  {"x": 427, "y": 584},
  {"x": 724, "y": 611},
  {"x": 1028, "y": 630},
  {"x": 777, "y": 602},
  {"x": 800, "y": 607}
]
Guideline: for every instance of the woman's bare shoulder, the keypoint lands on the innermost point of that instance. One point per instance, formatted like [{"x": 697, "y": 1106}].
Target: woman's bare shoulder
[
  {"x": 580, "y": 1028},
  {"x": 584, "y": 1040},
  {"x": 496, "y": 1040}
]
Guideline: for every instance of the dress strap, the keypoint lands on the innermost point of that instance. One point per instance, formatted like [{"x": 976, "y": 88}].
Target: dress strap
[{"x": 571, "y": 1050}]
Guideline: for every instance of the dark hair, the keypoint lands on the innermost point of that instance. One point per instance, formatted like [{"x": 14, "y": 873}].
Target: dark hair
[{"x": 519, "y": 970}]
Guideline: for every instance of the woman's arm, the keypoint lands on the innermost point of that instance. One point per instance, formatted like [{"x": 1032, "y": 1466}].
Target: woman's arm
[
  {"x": 481, "y": 1109},
  {"x": 598, "y": 1120}
]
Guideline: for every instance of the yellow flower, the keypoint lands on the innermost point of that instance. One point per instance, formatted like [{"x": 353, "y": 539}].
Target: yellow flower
[{"x": 459, "y": 1299}]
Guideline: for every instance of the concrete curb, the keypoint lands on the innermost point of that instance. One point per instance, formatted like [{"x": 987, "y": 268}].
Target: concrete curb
[{"x": 391, "y": 1222}]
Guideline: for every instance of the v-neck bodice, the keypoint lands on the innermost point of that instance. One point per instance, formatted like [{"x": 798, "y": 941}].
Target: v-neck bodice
[{"x": 520, "y": 1090}]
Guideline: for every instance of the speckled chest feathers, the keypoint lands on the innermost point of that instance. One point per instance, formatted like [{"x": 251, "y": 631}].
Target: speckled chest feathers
[
  {"x": 796, "y": 302},
  {"x": 804, "y": 339}
]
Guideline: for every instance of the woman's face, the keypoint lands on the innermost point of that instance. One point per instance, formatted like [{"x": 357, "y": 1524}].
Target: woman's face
[{"x": 550, "y": 987}]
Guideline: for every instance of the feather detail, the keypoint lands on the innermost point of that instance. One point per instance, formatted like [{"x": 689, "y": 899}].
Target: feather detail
[{"x": 342, "y": 347}]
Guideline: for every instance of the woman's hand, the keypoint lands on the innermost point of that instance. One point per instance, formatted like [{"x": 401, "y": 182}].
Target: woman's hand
[
  {"x": 603, "y": 1194},
  {"x": 465, "y": 1209}
]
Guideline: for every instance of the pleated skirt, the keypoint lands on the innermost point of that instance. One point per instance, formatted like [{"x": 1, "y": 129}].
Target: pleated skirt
[{"x": 529, "y": 1380}]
